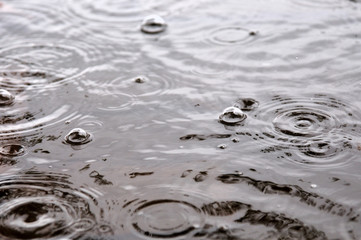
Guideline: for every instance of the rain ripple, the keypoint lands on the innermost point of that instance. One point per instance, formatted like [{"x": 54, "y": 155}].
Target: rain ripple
[
  {"x": 316, "y": 130},
  {"x": 39, "y": 205},
  {"x": 35, "y": 64}
]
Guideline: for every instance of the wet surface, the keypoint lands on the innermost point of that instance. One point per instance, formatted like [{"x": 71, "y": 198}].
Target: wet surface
[{"x": 180, "y": 119}]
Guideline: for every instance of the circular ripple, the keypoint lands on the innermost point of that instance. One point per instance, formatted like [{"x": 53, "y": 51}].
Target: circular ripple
[
  {"x": 113, "y": 11},
  {"x": 21, "y": 121},
  {"x": 298, "y": 119},
  {"x": 231, "y": 35},
  {"x": 316, "y": 131},
  {"x": 37, "y": 205},
  {"x": 176, "y": 214},
  {"x": 34, "y": 64},
  {"x": 325, "y": 153},
  {"x": 166, "y": 218},
  {"x": 305, "y": 122}
]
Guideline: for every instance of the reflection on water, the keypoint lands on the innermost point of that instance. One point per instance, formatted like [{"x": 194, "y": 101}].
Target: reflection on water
[{"x": 180, "y": 119}]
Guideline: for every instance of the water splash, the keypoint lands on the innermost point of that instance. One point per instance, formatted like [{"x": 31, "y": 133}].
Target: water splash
[{"x": 38, "y": 205}]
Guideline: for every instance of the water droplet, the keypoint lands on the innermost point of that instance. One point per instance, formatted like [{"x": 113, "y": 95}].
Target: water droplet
[
  {"x": 6, "y": 98},
  {"x": 78, "y": 136},
  {"x": 235, "y": 140},
  {"x": 153, "y": 24},
  {"x": 140, "y": 79},
  {"x": 232, "y": 116},
  {"x": 12, "y": 150},
  {"x": 222, "y": 146}
]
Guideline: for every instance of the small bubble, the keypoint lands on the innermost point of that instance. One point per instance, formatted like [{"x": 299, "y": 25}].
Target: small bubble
[
  {"x": 153, "y": 24},
  {"x": 313, "y": 185},
  {"x": 232, "y": 116},
  {"x": 6, "y": 98},
  {"x": 12, "y": 150},
  {"x": 222, "y": 146},
  {"x": 78, "y": 136},
  {"x": 140, "y": 79}
]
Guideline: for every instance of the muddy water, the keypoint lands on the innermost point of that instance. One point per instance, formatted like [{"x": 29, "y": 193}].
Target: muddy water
[{"x": 180, "y": 119}]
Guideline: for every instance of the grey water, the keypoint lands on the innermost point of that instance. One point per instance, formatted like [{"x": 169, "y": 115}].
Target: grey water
[{"x": 206, "y": 119}]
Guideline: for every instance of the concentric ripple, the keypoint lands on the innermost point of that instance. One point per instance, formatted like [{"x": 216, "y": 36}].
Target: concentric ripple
[
  {"x": 313, "y": 130},
  {"x": 38, "y": 205},
  {"x": 37, "y": 64},
  {"x": 173, "y": 215},
  {"x": 165, "y": 218},
  {"x": 305, "y": 122},
  {"x": 231, "y": 35},
  {"x": 112, "y": 11},
  {"x": 297, "y": 119}
]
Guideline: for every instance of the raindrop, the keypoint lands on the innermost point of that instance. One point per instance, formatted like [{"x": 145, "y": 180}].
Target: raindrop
[
  {"x": 232, "y": 116},
  {"x": 12, "y": 150},
  {"x": 222, "y": 146},
  {"x": 140, "y": 79},
  {"x": 78, "y": 136},
  {"x": 6, "y": 98},
  {"x": 153, "y": 24}
]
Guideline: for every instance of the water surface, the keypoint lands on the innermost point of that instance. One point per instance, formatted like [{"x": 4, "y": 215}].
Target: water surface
[{"x": 217, "y": 120}]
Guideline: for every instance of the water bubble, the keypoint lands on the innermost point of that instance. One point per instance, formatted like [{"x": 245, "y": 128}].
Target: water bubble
[
  {"x": 140, "y": 79},
  {"x": 232, "y": 116},
  {"x": 12, "y": 150},
  {"x": 78, "y": 136},
  {"x": 6, "y": 98},
  {"x": 222, "y": 146},
  {"x": 153, "y": 24}
]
